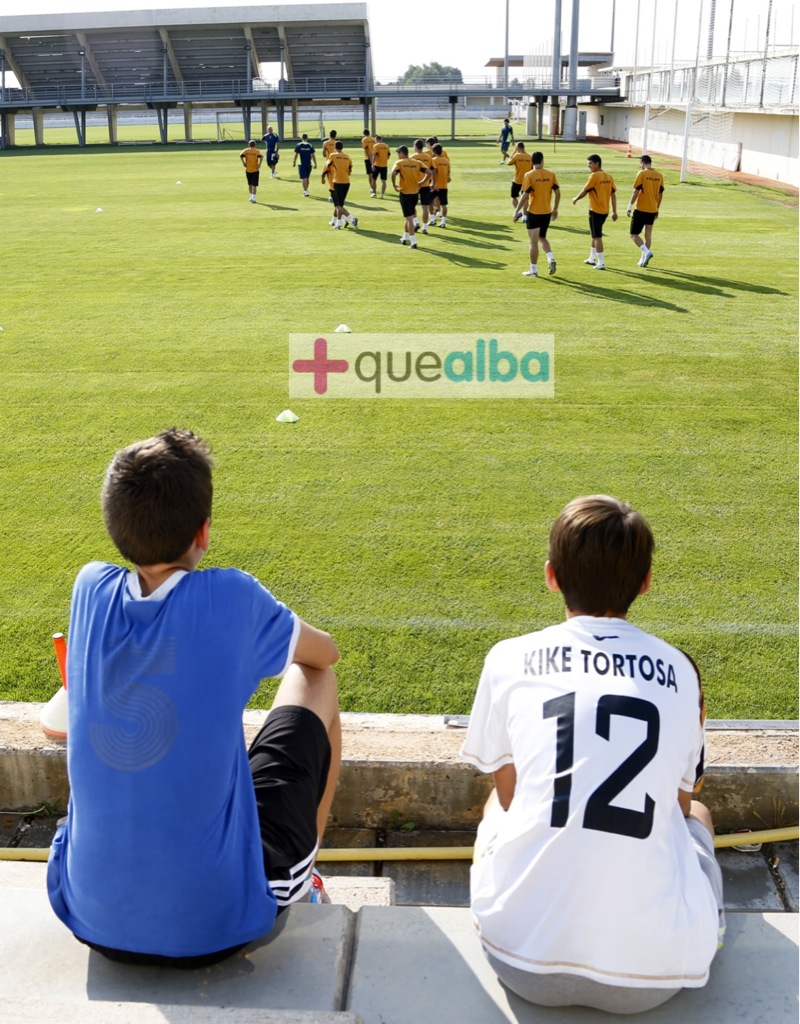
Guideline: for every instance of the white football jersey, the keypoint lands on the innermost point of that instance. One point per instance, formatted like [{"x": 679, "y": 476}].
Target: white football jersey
[{"x": 591, "y": 871}]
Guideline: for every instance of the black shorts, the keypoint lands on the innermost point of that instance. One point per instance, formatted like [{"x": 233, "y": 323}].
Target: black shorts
[
  {"x": 516, "y": 188},
  {"x": 408, "y": 204},
  {"x": 425, "y": 195},
  {"x": 368, "y": 167},
  {"x": 289, "y": 760},
  {"x": 303, "y": 171},
  {"x": 641, "y": 218},
  {"x": 340, "y": 193},
  {"x": 596, "y": 222},
  {"x": 441, "y": 195},
  {"x": 538, "y": 220},
  {"x": 252, "y": 177},
  {"x": 379, "y": 172},
  {"x": 273, "y": 158}
]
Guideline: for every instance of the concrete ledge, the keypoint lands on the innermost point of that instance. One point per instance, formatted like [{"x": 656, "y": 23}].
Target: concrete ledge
[
  {"x": 407, "y": 767},
  {"x": 302, "y": 965},
  {"x": 383, "y": 965},
  {"x": 416, "y": 964}
]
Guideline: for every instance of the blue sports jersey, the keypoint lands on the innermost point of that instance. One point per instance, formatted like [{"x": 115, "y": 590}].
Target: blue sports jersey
[
  {"x": 505, "y": 131},
  {"x": 305, "y": 151},
  {"x": 271, "y": 140},
  {"x": 161, "y": 852}
]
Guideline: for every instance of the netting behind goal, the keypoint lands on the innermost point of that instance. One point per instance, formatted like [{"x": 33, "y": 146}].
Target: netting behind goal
[{"x": 712, "y": 149}]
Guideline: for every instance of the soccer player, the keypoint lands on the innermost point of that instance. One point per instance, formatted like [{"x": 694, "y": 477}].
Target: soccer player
[
  {"x": 368, "y": 144},
  {"x": 425, "y": 194},
  {"x": 328, "y": 148},
  {"x": 252, "y": 158},
  {"x": 306, "y": 153},
  {"x": 505, "y": 138},
  {"x": 273, "y": 145},
  {"x": 436, "y": 209},
  {"x": 541, "y": 195},
  {"x": 340, "y": 166},
  {"x": 410, "y": 174},
  {"x": 380, "y": 164},
  {"x": 521, "y": 162},
  {"x": 594, "y": 880},
  {"x": 441, "y": 180},
  {"x": 602, "y": 191},
  {"x": 648, "y": 190}
]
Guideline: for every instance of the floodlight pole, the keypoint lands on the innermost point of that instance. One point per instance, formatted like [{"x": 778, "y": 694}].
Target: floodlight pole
[
  {"x": 554, "y": 107},
  {"x": 690, "y": 100},
  {"x": 505, "y": 63},
  {"x": 649, "y": 81}
]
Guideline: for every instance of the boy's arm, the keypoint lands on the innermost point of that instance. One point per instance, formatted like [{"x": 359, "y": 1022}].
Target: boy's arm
[
  {"x": 315, "y": 647},
  {"x": 505, "y": 782},
  {"x": 685, "y": 801}
]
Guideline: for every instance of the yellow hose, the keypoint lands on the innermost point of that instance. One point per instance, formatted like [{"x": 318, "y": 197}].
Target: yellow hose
[{"x": 771, "y": 835}]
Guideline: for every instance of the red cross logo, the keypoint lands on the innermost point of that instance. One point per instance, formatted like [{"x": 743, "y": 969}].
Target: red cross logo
[{"x": 320, "y": 366}]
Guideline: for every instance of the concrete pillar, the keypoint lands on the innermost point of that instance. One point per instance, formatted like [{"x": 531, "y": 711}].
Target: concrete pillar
[
  {"x": 554, "y": 116},
  {"x": 374, "y": 115},
  {"x": 280, "y": 111},
  {"x": 530, "y": 120},
  {"x": 295, "y": 122},
  {"x": 571, "y": 121},
  {"x": 38, "y": 126},
  {"x": 264, "y": 117},
  {"x": 111, "y": 112},
  {"x": 8, "y": 130},
  {"x": 188, "y": 124}
]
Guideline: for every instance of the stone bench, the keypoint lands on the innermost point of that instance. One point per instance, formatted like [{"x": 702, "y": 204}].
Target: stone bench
[{"x": 327, "y": 964}]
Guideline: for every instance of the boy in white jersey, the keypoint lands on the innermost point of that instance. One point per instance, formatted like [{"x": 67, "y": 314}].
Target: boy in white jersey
[{"x": 594, "y": 880}]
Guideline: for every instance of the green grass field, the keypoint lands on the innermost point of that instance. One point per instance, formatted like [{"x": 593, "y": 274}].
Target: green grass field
[{"x": 415, "y": 531}]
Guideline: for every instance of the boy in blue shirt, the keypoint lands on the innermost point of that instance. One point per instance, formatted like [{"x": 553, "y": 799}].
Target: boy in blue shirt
[{"x": 179, "y": 848}]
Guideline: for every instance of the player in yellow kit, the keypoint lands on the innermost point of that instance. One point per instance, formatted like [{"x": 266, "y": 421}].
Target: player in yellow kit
[
  {"x": 602, "y": 192},
  {"x": 648, "y": 190},
  {"x": 425, "y": 157},
  {"x": 441, "y": 181},
  {"x": 380, "y": 164},
  {"x": 541, "y": 196},
  {"x": 328, "y": 148},
  {"x": 411, "y": 175},
  {"x": 252, "y": 158},
  {"x": 521, "y": 162},
  {"x": 368, "y": 144},
  {"x": 341, "y": 167}
]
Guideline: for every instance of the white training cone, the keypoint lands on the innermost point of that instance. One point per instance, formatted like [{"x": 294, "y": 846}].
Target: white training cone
[
  {"x": 53, "y": 718},
  {"x": 343, "y": 329},
  {"x": 178, "y": 182},
  {"x": 99, "y": 209},
  {"x": 287, "y": 416}
]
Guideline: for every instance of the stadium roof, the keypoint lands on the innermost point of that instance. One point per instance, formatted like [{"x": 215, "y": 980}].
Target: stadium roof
[{"x": 205, "y": 50}]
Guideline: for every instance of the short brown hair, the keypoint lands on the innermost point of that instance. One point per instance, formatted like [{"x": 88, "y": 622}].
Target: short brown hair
[
  {"x": 601, "y": 551},
  {"x": 156, "y": 495}
]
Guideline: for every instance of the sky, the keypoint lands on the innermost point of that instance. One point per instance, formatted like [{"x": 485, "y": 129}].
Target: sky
[{"x": 452, "y": 37}]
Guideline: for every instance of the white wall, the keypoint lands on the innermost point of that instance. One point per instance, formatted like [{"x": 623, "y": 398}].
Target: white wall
[{"x": 767, "y": 144}]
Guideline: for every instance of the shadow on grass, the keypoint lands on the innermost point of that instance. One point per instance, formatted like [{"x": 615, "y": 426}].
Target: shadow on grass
[
  {"x": 685, "y": 286},
  {"x": 619, "y": 295},
  {"x": 456, "y": 239},
  {"x": 462, "y": 261},
  {"x": 718, "y": 282},
  {"x": 480, "y": 227},
  {"x": 275, "y": 206}
]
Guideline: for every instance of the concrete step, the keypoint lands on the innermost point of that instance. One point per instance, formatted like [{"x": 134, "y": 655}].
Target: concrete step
[{"x": 328, "y": 965}]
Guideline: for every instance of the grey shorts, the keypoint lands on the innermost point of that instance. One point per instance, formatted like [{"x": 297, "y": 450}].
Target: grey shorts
[{"x": 571, "y": 990}]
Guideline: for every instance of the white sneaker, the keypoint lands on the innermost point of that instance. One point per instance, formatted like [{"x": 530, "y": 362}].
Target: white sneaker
[
  {"x": 403, "y": 241},
  {"x": 372, "y": 195},
  {"x": 600, "y": 266},
  {"x": 530, "y": 273},
  {"x": 424, "y": 229},
  {"x": 354, "y": 222},
  {"x": 306, "y": 194},
  {"x": 591, "y": 263},
  {"x": 413, "y": 244},
  {"x": 332, "y": 222}
]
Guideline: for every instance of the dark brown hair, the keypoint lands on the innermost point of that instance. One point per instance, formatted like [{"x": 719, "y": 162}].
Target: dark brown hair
[
  {"x": 156, "y": 495},
  {"x": 601, "y": 551}
]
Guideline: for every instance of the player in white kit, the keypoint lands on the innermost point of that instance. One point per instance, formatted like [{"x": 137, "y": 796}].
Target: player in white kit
[{"x": 594, "y": 881}]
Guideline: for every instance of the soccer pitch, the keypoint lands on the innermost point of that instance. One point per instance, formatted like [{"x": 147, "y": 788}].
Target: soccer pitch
[{"x": 414, "y": 530}]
